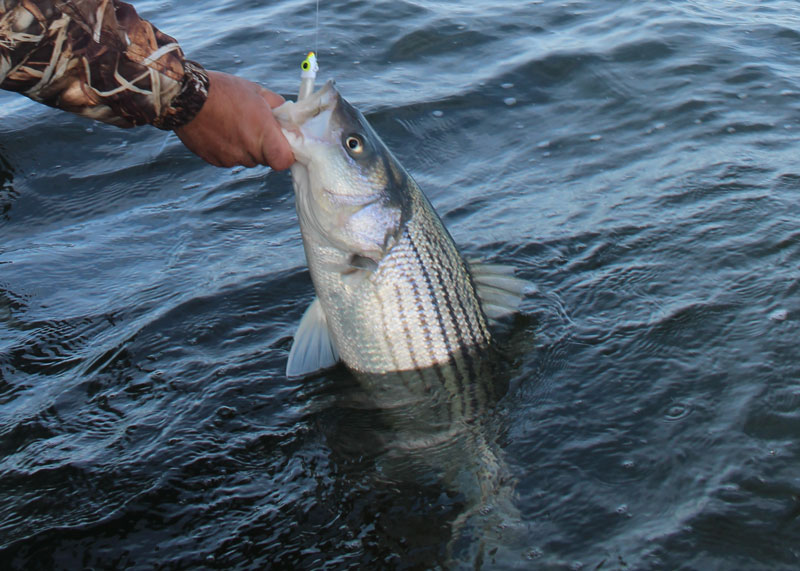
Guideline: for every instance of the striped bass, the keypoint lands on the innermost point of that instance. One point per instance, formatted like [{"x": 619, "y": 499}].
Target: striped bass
[
  {"x": 393, "y": 291},
  {"x": 398, "y": 305}
]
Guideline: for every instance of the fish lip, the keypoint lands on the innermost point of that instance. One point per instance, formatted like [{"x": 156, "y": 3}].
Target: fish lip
[{"x": 293, "y": 115}]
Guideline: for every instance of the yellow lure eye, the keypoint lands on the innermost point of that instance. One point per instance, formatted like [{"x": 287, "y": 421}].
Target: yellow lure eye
[{"x": 306, "y": 65}]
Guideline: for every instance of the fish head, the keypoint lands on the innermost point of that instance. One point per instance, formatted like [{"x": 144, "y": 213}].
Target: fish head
[{"x": 350, "y": 190}]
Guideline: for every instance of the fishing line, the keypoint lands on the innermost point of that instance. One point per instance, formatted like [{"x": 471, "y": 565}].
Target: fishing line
[{"x": 309, "y": 67}]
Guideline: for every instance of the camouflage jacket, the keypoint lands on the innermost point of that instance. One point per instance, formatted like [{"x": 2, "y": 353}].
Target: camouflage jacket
[{"x": 99, "y": 59}]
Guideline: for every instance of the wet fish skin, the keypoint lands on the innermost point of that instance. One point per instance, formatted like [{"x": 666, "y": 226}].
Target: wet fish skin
[
  {"x": 394, "y": 292},
  {"x": 399, "y": 305}
]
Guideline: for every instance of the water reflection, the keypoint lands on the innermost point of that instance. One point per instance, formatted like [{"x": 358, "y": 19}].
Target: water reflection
[{"x": 434, "y": 429}]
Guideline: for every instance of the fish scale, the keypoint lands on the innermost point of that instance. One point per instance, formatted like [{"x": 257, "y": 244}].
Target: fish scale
[
  {"x": 427, "y": 320},
  {"x": 393, "y": 291},
  {"x": 398, "y": 304}
]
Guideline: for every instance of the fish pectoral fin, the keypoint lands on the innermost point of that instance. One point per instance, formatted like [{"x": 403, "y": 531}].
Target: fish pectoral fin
[
  {"x": 313, "y": 348},
  {"x": 499, "y": 290},
  {"x": 362, "y": 263},
  {"x": 358, "y": 269}
]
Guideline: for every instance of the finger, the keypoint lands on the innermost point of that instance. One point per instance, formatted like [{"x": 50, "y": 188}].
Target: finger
[{"x": 277, "y": 152}]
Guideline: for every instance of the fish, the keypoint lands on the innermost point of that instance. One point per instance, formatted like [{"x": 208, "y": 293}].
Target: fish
[
  {"x": 393, "y": 292},
  {"x": 434, "y": 428},
  {"x": 404, "y": 310}
]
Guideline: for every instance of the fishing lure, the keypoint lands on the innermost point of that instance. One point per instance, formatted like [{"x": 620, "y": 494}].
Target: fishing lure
[{"x": 308, "y": 74}]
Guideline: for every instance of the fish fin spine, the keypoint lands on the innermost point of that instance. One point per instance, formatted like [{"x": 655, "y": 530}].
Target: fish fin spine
[
  {"x": 499, "y": 290},
  {"x": 313, "y": 348}
]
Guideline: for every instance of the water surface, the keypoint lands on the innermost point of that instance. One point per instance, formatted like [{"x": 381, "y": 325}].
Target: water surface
[{"x": 638, "y": 162}]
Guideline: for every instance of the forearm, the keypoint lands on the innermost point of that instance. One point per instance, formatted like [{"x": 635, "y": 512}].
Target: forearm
[{"x": 99, "y": 59}]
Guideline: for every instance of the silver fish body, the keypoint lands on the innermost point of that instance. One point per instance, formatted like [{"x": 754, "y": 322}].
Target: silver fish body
[
  {"x": 393, "y": 291},
  {"x": 399, "y": 305},
  {"x": 416, "y": 308}
]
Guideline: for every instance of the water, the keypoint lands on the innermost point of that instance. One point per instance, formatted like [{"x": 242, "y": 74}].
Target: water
[{"x": 636, "y": 161}]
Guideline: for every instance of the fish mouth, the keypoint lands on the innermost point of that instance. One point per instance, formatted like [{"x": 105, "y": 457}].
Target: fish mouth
[{"x": 293, "y": 116}]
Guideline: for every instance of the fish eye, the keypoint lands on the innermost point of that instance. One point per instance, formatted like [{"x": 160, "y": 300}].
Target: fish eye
[{"x": 354, "y": 144}]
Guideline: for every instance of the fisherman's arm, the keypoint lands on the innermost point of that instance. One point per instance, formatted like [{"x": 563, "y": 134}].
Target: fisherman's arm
[{"x": 99, "y": 59}]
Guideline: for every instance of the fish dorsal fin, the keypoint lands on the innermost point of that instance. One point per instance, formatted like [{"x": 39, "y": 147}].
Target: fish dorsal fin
[
  {"x": 499, "y": 290},
  {"x": 313, "y": 349}
]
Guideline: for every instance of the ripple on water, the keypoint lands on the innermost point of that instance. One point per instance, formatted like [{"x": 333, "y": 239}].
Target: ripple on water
[
  {"x": 435, "y": 40},
  {"x": 642, "y": 178},
  {"x": 677, "y": 411},
  {"x": 54, "y": 347},
  {"x": 775, "y": 414}
]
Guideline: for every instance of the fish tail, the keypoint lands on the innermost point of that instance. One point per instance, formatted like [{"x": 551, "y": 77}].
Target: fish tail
[{"x": 490, "y": 532}]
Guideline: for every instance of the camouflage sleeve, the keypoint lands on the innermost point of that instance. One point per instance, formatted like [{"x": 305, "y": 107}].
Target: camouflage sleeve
[{"x": 99, "y": 59}]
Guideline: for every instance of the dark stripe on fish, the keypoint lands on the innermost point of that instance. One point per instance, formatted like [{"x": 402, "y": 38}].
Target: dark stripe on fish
[
  {"x": 440, "y": 371},
  {"x": 459, "y": 388},
  {"x": 461, "y": 305},
  {"x": 446, "y": 272}
]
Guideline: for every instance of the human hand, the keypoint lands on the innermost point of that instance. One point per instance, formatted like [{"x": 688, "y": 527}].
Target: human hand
[{"x": 236, "y": 127}]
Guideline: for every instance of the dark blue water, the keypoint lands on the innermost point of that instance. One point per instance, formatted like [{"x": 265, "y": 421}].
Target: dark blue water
[{"x": 638, "y": 162}]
